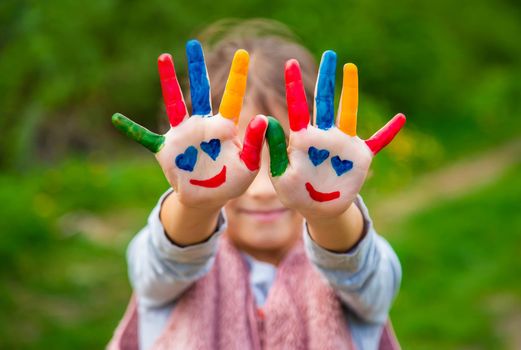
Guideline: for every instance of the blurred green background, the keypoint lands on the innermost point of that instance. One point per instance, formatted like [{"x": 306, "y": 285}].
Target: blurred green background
[{"x": 446, "y": 193}]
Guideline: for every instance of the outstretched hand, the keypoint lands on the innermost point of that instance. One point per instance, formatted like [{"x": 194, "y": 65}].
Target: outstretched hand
[
  {"x": 326, "y": 164},
  {"x": 202, "y": 156}
]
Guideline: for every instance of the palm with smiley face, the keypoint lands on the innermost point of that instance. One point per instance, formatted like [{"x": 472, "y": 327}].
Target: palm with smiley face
[
  {"x": 202, "y": 156},
  {"x": 326, "y": 164}
]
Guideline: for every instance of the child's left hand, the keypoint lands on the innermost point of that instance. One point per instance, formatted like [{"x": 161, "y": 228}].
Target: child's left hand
[{"x": 325, "y": 166}]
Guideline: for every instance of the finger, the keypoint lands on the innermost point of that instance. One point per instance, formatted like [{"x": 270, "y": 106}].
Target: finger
[
  {"x": 136, "y": 132},
  {"x": 277, "y": 146},
  {"x": 253, "y": 140},
  {"x": 325, "y": 91},
  {"x": 349, "y": 100},
  {"x": 298, "y": 111},
  {"x": 386, "y": 134},
  {"x": 199, "y": 83},
  {"x": 172, "y": 95},
  {"x": 231, "y": 102}
]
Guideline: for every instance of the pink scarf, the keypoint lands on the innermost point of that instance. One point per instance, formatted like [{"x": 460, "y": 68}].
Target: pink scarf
[{"x": 218, "y": 311}]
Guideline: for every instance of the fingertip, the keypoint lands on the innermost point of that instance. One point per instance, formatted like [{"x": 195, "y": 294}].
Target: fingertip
[
  {"x": 194, "y": 51},
  {"x": 292, "y": 70},
  {"x": 260, "y": 121},
  {"x": 401, "y": 116},
  {"x": 257, "y": 126},
  {"x": 164, "y": 57},
  {"x": 253, "y": 141},
  {"x": 350, "y": 70},
  {"x": 262, "y": 116},
  {"x": 272, "y": 120},
  {"x": 328, "y": 62},
  {"x": 399, "y": 120},
  {"x": 241, "y": 60},
  {"x": 165, "y": 64},
  {"x": 117, "y": 118}
]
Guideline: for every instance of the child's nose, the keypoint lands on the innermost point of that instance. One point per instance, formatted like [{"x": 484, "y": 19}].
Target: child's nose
[{"x": 262, "y": 188}]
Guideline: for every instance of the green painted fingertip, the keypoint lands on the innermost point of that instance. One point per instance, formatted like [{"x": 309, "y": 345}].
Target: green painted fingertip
[
  {"x": 136, "y": 132},
  {"x": 277, "y": 146}
]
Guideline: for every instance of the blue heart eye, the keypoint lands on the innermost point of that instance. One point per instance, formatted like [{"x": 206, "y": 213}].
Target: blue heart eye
[
  {"x": 212, "y": 148},
  {"x": 341, "y": 166},
  {"x": 317, "y": 156},
  {"x": 186, "y": 161}
]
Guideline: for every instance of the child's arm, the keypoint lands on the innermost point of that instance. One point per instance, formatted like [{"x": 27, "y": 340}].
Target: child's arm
[
  {"x": 320, "y": 175},
  {"x": 160, "y": 270},
  {"x": 206, "y": 164},
  {"x": 185, "y": 225},
  {"x": 366, "y": 277}
]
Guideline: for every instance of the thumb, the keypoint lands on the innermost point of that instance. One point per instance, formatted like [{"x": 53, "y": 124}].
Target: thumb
[
  {"x": 277, "y": 146},
  {"x": 253, "y": 141}
]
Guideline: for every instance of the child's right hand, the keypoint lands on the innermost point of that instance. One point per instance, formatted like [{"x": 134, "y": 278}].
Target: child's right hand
[{"x": 202, "y": 156}]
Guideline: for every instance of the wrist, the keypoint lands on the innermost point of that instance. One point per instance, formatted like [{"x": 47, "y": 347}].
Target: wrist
[
  {"x": 338, "y": 233},
  {"x": 186, "y": 224},
  {"x": 319, "y": 216}
]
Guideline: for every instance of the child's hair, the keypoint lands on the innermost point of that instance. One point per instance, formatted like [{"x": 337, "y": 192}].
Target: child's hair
[{"x": 270, "y": 44}]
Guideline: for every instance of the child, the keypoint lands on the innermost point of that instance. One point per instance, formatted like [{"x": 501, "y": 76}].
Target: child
[{"x": 239, "y": 256}]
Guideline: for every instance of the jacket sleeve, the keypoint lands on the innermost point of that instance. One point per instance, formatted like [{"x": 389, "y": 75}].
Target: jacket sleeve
[
  {"x": 161, "y": 271},
  {"x": 366, "y": 278}
]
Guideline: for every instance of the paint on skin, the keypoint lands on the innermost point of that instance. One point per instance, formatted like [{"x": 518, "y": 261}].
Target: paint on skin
[
  {"x": 296, "y": 96},
  {"x": 277, "y": 147},
  {"x": 186, "y": 161},
  {"x": 136, "y": 132},
  {"x": 212, "y": 148},
  {"x": 321, "y": 196},
  {"x": 199, "y": 84},
  {"x": 341, "y": 166},
  {"x": 325, "y": 91},
  {"x": 317, "y": 156},
  {"x": 253, "y": 140},
  {"x": 212, "y": 182},
  {"x": 172, "y": 95},
  {"x": 233, "y": 95},
  {"x": 349, "y": 100},
  {"x": 386, "y": 134}
]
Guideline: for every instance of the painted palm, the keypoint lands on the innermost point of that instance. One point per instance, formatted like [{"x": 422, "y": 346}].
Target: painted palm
[
  {"x": 202, "y": 156},
  {"x": 326, "y": 163}
]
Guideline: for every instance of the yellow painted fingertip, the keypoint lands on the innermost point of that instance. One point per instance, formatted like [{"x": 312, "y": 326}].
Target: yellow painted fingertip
[
  {"x": 240, "y": 62},
  {"x": 349, "y": 100},
  {"x": 235, "y": 89}
]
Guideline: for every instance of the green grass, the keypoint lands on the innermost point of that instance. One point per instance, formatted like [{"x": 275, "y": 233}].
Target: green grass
[
  {"x": 66, "y": 289},
  {"x": 460, "y": 264}
]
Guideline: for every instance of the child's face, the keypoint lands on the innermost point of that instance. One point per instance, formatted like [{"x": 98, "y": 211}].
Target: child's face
[{"x": 258, "y": 223}]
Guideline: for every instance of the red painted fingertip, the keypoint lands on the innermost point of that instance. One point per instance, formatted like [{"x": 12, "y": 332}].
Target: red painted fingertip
[
  {"x": 386, "y": 134},
  {"x": 172, "y": 95},
  {"x": 165, "y": 63},
  {"x": 296, "y": 96},
  {"x": 253, "y": 141}
]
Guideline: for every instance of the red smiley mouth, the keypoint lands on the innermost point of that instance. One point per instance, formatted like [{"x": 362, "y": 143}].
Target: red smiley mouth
[
  {"x": 321, "y": 196},
  {"x": 212, "y": 182}
]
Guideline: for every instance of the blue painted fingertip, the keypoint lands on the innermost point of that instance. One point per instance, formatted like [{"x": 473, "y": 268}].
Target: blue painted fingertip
[
  {"x": 341, "y": 166},
  {"x": 186, "y": 161},
  {"x": 212, "y": 148},
  {"x": 325, "y": 95},
  {"x": 317, "y": 156},
  {"x": 199, "y": 84}
]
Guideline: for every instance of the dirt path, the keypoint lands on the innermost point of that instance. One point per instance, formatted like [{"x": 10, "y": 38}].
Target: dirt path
[{"x": 451, "y": 182}]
